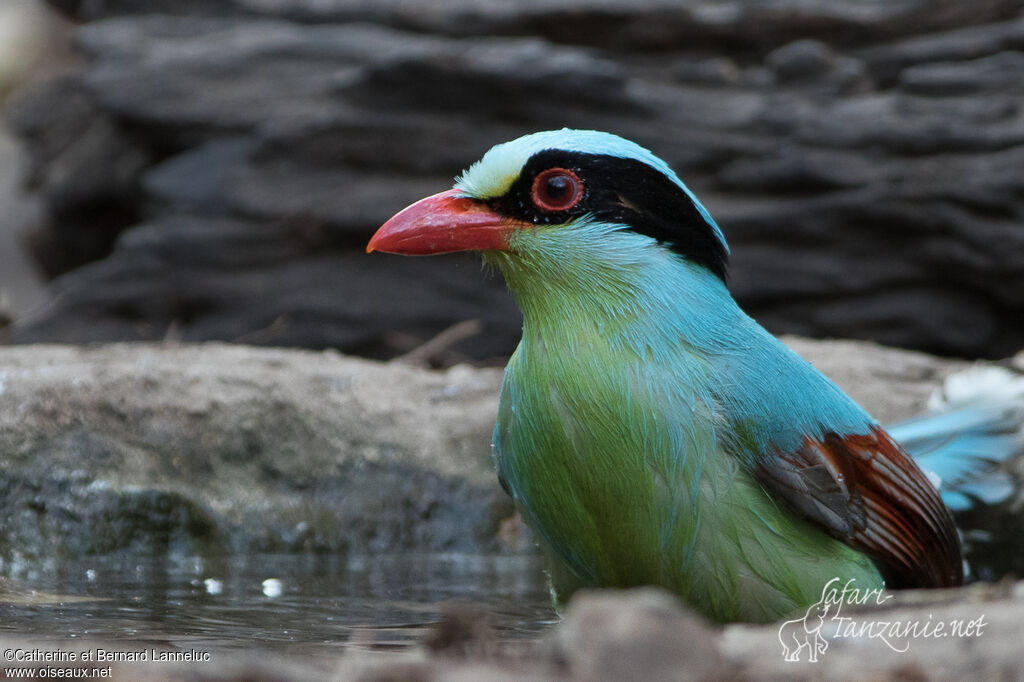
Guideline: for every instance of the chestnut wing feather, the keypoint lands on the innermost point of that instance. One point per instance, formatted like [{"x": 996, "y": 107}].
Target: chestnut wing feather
[{"x": 866, "y": 491}]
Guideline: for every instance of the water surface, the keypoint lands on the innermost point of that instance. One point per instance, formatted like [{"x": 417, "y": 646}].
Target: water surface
[{"x": 297, "y": 604}]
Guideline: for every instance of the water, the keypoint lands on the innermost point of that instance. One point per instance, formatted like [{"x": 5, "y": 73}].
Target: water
[
  {"x": 313, "y": 606},
  {"x": 297, "y": 604}
]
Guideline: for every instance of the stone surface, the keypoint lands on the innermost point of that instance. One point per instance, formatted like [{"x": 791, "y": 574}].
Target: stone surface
[
  {"x": 863, "y": 160},
  {"x": 990, "y": 655},
  {"x": 639, "y": 634},
  {"x": 198, "y": 450}
]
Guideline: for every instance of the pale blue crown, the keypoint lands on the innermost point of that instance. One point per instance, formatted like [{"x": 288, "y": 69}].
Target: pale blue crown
[{"x": 493, "y": 174}]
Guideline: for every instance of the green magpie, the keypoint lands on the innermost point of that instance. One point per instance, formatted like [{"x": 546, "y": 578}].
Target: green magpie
[{"x": 649, "y": 431}]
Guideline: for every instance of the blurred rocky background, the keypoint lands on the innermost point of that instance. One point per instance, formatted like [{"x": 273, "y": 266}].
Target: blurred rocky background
[
  {"x": 212, "y": 169},
  {"x": 29, "y": 37}
]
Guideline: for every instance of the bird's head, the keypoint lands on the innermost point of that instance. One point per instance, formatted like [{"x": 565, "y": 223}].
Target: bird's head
[{"x": 574, "y": 189}]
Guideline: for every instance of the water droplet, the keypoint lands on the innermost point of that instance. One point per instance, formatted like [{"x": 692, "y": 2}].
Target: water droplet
[{"x": 272, "y": 587}]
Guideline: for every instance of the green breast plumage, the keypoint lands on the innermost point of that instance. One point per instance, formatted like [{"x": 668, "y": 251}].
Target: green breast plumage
[{"x": 592, "y": 461}]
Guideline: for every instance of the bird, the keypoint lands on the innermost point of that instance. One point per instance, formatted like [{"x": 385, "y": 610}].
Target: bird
[{"x": 649, "y": 431}]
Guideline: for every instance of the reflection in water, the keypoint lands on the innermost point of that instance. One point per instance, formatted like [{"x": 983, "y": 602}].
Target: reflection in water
[
  {"x": 314, "y": 603},
  {"x": 311, "y": 605}
]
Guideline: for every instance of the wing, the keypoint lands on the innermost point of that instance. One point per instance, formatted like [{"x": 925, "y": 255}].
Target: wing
[{"x": 866, "y": 491}]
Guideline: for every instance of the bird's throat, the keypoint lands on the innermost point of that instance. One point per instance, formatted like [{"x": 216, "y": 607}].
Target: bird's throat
[{"x": 601, "y": 285}]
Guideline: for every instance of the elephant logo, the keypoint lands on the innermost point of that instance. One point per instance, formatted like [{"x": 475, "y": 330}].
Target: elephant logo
[{"x": 805, "y": 633}]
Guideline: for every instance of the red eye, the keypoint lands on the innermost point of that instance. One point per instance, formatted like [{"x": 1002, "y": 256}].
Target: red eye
[{"x": 557, "y": 189}]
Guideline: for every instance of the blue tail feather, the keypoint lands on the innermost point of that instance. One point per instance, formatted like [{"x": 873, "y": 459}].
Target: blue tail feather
[{"x": 974, "y": 425}]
